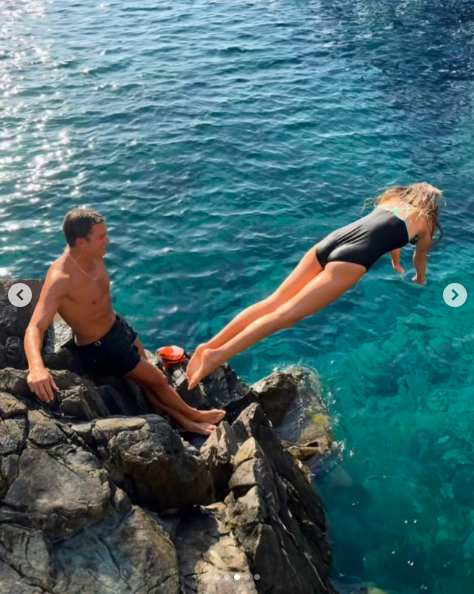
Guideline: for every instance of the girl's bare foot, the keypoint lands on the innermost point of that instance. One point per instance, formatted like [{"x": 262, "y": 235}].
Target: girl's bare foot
[
  {"x": 195, "y": 427},
  {"x": 209, "y": 362},
  {"x": 195, "y": 361}
]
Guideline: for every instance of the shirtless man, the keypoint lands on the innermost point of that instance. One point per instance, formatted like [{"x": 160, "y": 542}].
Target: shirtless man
[{"x": 77, "y": 286}]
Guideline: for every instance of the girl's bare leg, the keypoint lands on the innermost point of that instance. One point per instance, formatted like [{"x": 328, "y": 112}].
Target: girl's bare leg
[
  {"x": 335, "y": 280},
  {"x": 306, "y": 271}
]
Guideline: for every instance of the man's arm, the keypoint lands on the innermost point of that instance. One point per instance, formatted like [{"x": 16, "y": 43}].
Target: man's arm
[
  {"x": 420, "y": 258},
  {"x": 39, "y": 379}
]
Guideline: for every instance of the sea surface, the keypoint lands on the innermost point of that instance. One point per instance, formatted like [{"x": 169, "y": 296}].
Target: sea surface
[{"x": 222, "y": 139}]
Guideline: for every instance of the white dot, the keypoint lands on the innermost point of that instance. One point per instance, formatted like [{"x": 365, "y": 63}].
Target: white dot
[
  {"x": 237, "y": 577},
  {"x": 217, "y": 576},
  {"x": 227, "y": 577},
  {"x": 256, "y": 577},
  {"x": 246, "y": 577}
]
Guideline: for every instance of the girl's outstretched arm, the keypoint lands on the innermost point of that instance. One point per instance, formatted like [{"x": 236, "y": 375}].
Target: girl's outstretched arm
[
  {"x": 395, "y": 254},
  {"x": 420, "y": 257}
]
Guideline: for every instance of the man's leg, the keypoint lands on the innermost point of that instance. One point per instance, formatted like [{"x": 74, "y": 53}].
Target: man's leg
[
  {"x": 184, "y": 422},
  {"x": 145, "y": 373}
]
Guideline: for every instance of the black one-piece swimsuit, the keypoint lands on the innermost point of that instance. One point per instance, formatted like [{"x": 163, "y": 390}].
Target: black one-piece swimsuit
[{"x": 366, "y": 240}]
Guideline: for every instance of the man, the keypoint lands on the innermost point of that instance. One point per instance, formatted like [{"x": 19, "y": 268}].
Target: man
[{"x": 77, "y": 286}]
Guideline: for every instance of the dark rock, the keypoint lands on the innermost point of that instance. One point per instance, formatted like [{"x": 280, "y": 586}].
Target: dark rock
[
  {"x": 120, "y": 554},
  {"x": 272, "y": 508},
  {"x": 14, "y": 353},
  {"x": 28, "y": 553},
  {"x": 11, "y": 406},
  {"x": 77, "y": 398},
  {"x": 13, "y": 381},
  {"x": 69, "y": 474},
  {"x": 118, "y": 403},
  {"x": 276, "y": 392},
  {"x": 146, "y": 458},
  {"x": 206, "y": 548},
  {"x": 14, "y": 320},
  {"x": 218, "y": 452},
  {"x": 55, "y": 478},
  {"x": 306, "y": 427}
]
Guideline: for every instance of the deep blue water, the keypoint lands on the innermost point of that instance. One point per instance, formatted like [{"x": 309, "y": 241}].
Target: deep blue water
[{"x": 222, "y": 139}]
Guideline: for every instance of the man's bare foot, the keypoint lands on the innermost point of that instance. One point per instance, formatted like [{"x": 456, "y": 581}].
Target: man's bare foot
[
  {"x": 209, "y": 416},
  {"x": 195, "y": 361},
  {"x": 195, "y": 427},
  {"x": 209, "y": 362}
]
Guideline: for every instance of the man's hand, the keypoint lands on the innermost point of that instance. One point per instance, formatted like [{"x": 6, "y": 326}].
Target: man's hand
[
  {"x": 398, "y": 268},
  {"x": 415, "y": 279},
  {"x": 41, "y": 382}
]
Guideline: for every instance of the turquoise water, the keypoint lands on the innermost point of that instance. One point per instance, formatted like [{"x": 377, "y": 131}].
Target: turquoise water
[{"x": 222, "y": 140}]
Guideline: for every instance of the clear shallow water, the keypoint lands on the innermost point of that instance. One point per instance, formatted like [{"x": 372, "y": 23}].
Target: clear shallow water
[{"x": 222, "y": 140}]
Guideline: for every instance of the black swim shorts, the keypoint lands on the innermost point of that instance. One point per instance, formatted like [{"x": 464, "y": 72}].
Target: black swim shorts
[{"x": 114, "y": 353}]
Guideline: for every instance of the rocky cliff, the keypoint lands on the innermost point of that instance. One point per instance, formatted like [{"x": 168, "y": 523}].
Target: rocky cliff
[{"x": 101, "y": 494}]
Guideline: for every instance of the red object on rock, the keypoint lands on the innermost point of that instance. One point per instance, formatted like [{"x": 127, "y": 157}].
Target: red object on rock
[{"x": 171, "y": 355}]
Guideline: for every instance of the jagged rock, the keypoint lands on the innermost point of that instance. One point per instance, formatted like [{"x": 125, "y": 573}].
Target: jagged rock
[
  {"x": 14, "y": 353},
  {"x": 77, "y": 398},
  {"x": 146, "y": 458},
  {"x": 120, "y": 555},
  {"x": 275, "y": 514},
  {"x": 55, "y": 478},
  {"x": 122, "y": 397},
  {"x": 221, "y": 389},
  {"x": 276, "y": 392},
  {"x": 301, "y": 420},
  {"x": 14, "y": 320},
  {"x": 11, "y": 406},
  {"x": 206, "y": 549},
  {"x": 71, "y": 474},
  {"x": 218, "y": 451},
  {"x": 3, "y": 359},
  {"x": 12, "y": 435},
  {"x": 27, "y": 553}
]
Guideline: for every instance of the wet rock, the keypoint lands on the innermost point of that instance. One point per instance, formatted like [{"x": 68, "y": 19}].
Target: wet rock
[
  {"x": 276, "y": 392},
  {"x": 305, "y": 427}
]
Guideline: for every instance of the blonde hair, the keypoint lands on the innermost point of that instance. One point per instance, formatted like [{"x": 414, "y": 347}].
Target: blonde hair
[{"x": 427, "y": 199}]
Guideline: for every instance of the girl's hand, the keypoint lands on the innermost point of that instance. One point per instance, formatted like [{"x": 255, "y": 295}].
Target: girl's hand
[
  {"x": 415, "y": 279},
  {"x": 398, "y": 268}
]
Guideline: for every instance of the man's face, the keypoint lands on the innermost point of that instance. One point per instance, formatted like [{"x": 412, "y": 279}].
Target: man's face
[{"x": 95, "y": 245}]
